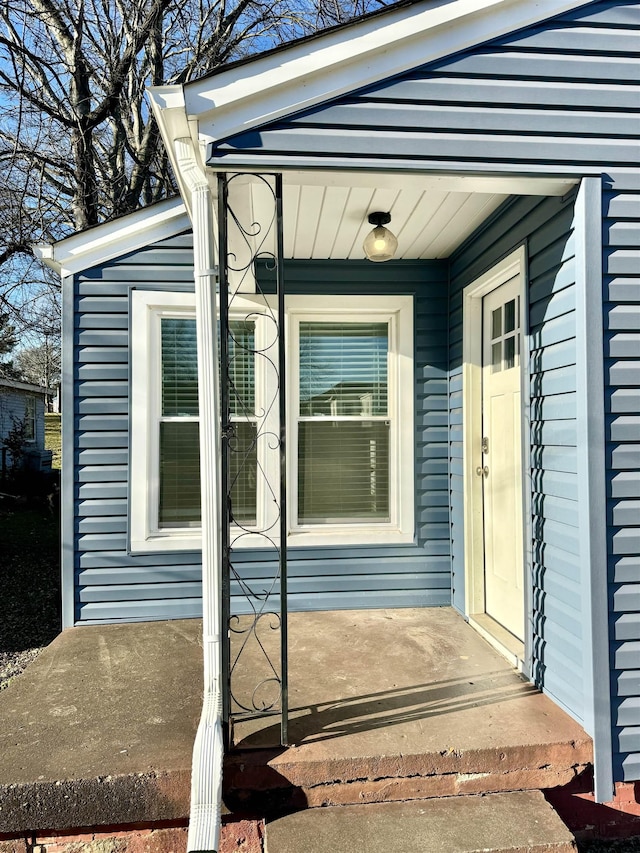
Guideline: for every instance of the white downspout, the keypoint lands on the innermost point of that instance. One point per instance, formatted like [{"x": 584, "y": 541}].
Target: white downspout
[{"x": 206, "y": 772}]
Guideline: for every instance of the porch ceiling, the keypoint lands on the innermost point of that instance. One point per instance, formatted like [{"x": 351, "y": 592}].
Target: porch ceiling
[{"x": 325, "y": 213}]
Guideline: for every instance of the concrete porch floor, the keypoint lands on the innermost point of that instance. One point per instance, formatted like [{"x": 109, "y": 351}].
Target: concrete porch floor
[
  {"x": 387, "y": 705},
  {"x": 399, "y": 704}
]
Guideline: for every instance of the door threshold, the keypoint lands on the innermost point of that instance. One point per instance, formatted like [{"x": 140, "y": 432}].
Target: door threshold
[{"x": 503, "y": 641}]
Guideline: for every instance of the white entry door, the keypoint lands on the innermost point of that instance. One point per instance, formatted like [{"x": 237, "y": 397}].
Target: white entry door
[{"x": 501, "y": 468}]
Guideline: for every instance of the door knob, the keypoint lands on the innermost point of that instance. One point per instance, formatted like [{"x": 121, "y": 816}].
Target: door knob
[{"x": 482, "y": 472}]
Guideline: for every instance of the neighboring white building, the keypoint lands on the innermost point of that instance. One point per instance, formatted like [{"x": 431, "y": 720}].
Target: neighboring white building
[{"x": 24, "y": 401}]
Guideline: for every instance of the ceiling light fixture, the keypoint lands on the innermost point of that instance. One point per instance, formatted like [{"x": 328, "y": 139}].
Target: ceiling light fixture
[{"x": 380, "y": 244}]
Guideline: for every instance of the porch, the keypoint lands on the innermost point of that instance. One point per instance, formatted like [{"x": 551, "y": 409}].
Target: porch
[
  {"x": 386, "y": 705},
  {"x": 397, "y": 705}
]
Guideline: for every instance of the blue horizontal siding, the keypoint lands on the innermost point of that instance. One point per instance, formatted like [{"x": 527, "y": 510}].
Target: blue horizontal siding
[
  {"x": 621, "y": 228},
  {"x": 113, "y": 585},
  {"x": 562, "y": 93},
  {"x": 110, "y": 584},
  {"x": 547, "y": 227}
]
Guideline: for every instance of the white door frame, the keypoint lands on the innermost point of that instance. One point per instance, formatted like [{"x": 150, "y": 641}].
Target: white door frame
[{"x": 513, "y": 264}]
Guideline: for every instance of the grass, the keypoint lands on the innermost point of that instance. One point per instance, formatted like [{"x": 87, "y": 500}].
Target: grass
[{"x": 52, "y": 439}]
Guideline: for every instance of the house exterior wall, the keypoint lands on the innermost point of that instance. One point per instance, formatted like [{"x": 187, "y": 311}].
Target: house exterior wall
[
  {"x": 111, "y": 584},
  {"x": 546, "y": 226},
  {"x": 559, "y": 98},
  {"x": 386, "y": 575},
  {"x": 621, "y": 267}
]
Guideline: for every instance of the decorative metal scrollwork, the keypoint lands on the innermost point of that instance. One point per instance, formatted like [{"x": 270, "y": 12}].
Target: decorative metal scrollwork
[{"x": 253, "y": 447}]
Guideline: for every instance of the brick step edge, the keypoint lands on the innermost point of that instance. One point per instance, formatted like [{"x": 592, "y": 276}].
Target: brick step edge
[{"x": 243, "y": 835}]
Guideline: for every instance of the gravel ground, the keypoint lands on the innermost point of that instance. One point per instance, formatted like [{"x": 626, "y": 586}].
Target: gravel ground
[{"x": 29, "y": 583}]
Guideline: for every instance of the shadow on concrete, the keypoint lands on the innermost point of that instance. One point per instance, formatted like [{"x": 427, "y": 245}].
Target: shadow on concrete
[{"x": 368, "y": 712}]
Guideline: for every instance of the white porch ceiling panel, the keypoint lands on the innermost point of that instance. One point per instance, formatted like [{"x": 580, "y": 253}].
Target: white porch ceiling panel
[
  {"x": 325, "y": 213},
  {"x": 330, "y": 220}
]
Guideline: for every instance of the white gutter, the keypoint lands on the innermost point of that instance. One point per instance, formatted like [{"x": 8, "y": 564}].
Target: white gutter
[{"x": 206, "y": 771}]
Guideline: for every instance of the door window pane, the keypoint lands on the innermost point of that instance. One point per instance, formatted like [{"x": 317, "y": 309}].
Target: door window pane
[
  {"x": 509, "y": 353},
  {"x": 510, "y": 316},
  {"x": 496, "y": 323},
  {"x": 496, "y": 357},
  {"x": 343, "y": 472}
]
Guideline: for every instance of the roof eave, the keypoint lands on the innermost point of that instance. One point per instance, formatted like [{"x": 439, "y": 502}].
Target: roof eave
[{"x": 102, "y": 243}]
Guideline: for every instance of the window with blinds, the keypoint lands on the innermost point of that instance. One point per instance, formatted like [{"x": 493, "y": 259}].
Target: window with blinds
[
  {"x": 343, "y": 424},
  {"x": 350, "y": 425},
  {"x": 179, "y": 454},
  {"x": 179, "y": 493}
]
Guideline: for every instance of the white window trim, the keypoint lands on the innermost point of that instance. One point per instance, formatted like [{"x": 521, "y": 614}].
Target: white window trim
[
  {"x": 398, "y": 312},
  {"x": 149, "y": 307}
]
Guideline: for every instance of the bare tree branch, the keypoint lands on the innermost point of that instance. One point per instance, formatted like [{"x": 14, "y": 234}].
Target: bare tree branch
[{"x": 78, "y": 143}]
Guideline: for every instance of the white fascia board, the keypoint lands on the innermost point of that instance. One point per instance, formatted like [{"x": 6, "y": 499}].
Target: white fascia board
[
  {"x": 98, "y": 245},
  {"x": 347, "y": 59},
  {"x": 168, "y": 107},
  {"x": 501, "y": 184}
]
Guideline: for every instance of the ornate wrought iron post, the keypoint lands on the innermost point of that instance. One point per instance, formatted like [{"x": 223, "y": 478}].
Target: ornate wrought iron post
[
  {"x": 253, "y": 465},
  {"x": 224, "y": 456}
]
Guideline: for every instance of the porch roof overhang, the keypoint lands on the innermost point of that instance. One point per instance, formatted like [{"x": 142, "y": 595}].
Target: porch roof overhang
[{"x": 326, "y": 210}]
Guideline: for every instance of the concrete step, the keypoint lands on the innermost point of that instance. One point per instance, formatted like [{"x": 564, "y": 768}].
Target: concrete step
[
  {"x": 326, "y": 774},
  {"x": 519, "y": 822}
]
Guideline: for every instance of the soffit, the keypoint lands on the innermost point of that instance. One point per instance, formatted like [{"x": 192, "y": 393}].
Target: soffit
[{"x": 325, "y": 213}]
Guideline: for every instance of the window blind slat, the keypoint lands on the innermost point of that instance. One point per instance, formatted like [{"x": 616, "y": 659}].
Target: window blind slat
[
  {"x": 343, "y": 471},
  {"x": 179, "y": 474},
  {"x": 343, "y": 368}
]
